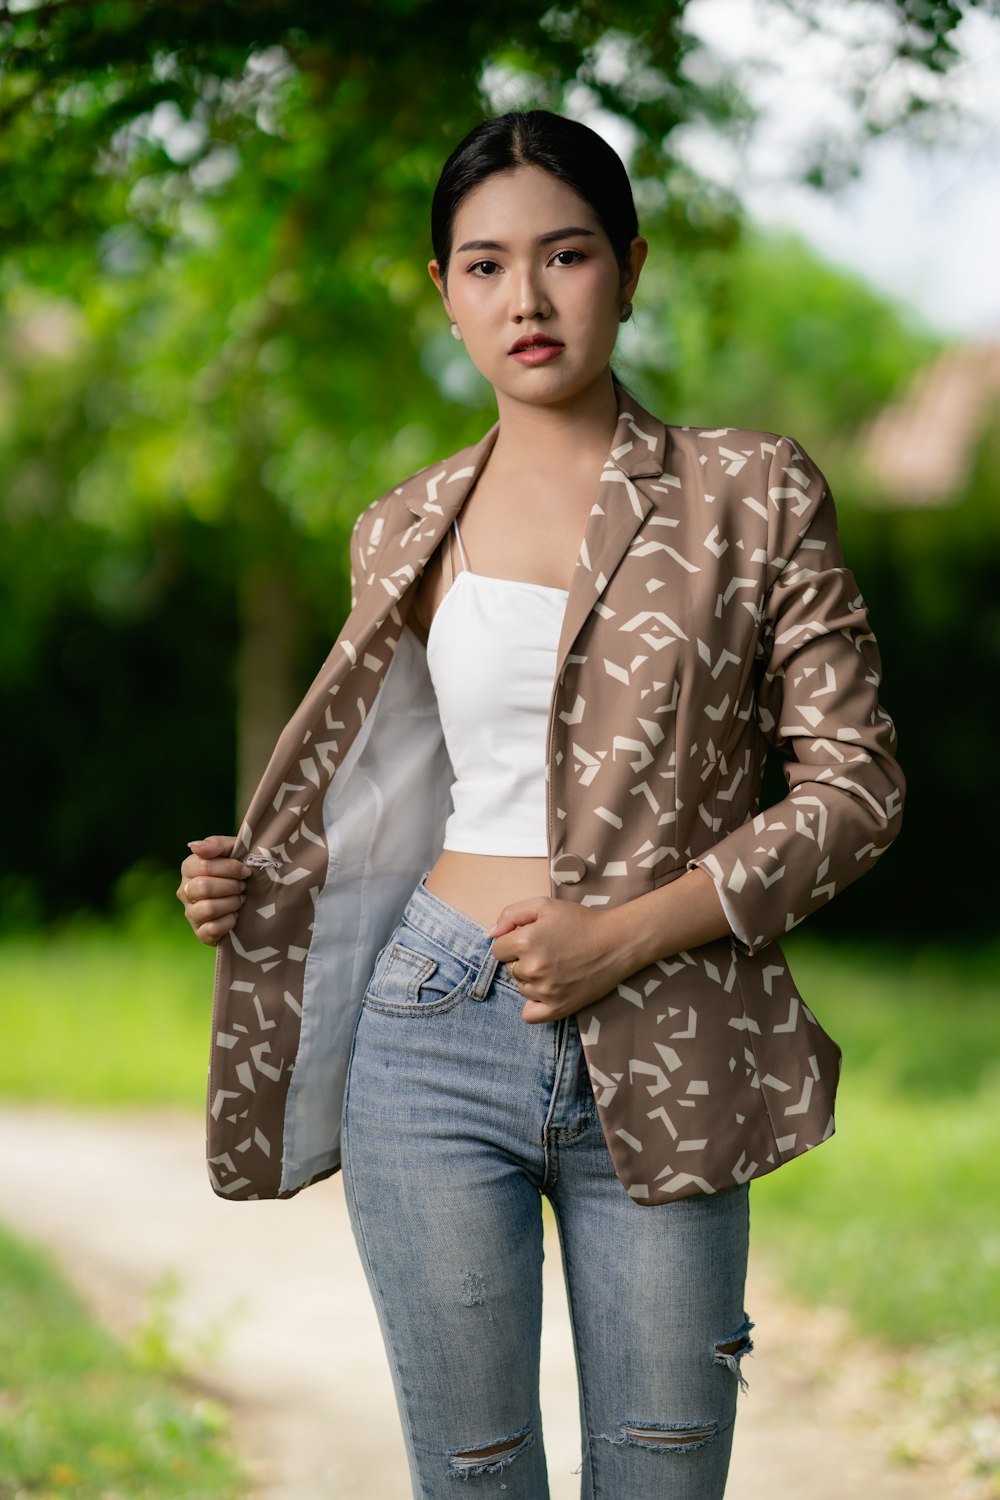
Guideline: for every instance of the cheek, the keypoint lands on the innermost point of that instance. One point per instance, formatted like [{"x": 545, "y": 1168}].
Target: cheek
[
  {"x": 478, "y": 317},
  {"x": 599, "y": 293},
  {"x": 473, "y": 296}
]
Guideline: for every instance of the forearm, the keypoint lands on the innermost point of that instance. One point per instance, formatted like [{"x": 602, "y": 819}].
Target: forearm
[{"x": 677, "y": 916}]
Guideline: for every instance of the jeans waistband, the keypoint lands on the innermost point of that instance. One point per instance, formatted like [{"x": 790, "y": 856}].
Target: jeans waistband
[{"x": 458, "y": 934}]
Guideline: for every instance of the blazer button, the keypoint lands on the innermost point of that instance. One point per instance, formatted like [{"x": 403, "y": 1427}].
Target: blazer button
[{"x": 567, "y": 869}]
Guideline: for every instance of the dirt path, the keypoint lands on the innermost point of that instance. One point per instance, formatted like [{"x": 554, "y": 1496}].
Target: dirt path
[{"x": 123, "y": 1201}]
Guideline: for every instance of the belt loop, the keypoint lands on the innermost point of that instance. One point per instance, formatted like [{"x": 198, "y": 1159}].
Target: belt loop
[{"x": 484, "y": 978}]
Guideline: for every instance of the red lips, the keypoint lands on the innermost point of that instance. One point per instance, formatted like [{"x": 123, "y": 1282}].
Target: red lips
[{"x": 535, "y": 341}]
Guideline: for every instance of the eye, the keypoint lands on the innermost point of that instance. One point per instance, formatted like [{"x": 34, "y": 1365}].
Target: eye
[
  {"x": 483, "y": 267},
  {"x": 567, "y": 257}
]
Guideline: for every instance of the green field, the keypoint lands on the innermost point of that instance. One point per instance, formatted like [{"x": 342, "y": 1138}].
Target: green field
[
  {"x": 101, "y": 1015},
  {"x": 81, "y": 1416},
  {"x": 897, "y": 1217}
]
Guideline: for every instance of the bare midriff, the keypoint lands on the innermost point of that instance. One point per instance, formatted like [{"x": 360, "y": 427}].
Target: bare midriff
[{"x": 481, "y": 885}]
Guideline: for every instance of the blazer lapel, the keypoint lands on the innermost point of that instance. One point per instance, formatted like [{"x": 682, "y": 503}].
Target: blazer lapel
[
  {"x": 620, "y": 508},
  {"x": 427, "y": 504},
  {"x": 436, "y": 495}
]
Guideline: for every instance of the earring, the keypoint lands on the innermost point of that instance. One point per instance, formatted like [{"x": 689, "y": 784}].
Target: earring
[
  {"x": 456, "y": 332},
  {"x": 625, "y": 313}
]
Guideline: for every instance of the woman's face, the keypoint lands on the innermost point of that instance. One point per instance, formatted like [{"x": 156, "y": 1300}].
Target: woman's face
[{"x": 535, "y": 287}]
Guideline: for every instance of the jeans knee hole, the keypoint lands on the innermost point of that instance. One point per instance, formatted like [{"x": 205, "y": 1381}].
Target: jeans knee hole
[
  {"x": 670, "y": 1436},
  {"x": 492, "y": 1457}
]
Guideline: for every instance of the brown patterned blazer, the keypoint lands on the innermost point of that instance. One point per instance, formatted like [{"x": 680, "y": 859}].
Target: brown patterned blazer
[{"x": 710, "y": 615}]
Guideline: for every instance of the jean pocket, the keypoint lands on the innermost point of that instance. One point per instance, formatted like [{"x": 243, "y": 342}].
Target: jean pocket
[{"x": 413, "y": 977}]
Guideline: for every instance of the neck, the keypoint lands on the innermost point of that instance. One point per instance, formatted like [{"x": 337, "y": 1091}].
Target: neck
[{"x": 564, "y": 436}]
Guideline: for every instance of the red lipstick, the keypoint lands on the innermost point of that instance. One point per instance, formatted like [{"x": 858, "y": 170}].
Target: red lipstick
[{"x": 535, "y": 349}]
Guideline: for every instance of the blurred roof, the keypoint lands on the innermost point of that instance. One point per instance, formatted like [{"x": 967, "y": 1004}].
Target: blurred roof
[{"x": 921, "y": 447}]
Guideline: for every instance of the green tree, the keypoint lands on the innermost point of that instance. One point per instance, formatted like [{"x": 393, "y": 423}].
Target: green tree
[
  {"x": 231, "y": 201},
  {"x": 218, "y": 341}
]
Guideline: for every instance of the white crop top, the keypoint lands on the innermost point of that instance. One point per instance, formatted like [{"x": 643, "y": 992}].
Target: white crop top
[{"x": 491, "y": 654}]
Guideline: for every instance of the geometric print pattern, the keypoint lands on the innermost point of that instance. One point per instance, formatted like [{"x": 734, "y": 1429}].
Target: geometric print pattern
[{"x": 710, "y": 617}]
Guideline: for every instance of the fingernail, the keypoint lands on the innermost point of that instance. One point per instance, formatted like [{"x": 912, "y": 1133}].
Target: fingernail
[{"x": 246, "y": 871}]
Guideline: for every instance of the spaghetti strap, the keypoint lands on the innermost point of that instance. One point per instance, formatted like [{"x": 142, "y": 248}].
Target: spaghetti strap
[{"x": 461, "y": 549}]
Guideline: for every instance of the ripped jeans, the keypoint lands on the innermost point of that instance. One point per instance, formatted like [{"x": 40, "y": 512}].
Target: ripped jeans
[{"x": 458, "y": 1117}]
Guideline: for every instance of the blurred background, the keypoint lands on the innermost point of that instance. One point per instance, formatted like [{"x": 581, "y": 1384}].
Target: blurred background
[{"x": 218, "y": 342}]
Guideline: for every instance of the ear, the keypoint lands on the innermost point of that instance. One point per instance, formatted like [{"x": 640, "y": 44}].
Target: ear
[
  {"x": 638, "y": 250},
  {"x": 438, "y": 279}
]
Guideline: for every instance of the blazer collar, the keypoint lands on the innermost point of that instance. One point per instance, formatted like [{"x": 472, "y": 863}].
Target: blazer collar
[
  {"x": 639, "y": 446},
  {"x": 441, "y": 489},
  {"x": 619, "y": 509}
]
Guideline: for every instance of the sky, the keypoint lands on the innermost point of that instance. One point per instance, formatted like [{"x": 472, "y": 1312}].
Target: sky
[{"x": 920, "y": 223}]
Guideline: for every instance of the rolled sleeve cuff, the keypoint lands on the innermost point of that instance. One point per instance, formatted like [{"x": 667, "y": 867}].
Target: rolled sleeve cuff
[{"x": 711, "y": 867}]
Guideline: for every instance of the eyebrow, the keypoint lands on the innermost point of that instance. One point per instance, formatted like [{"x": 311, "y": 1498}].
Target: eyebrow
[{"x": 543, "y": 239}]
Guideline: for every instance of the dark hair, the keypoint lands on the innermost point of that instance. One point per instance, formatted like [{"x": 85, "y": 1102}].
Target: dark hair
[{"x": 572, "y": 152}]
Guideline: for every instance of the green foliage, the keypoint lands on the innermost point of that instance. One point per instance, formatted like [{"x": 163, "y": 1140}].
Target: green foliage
[
  {"x": 773, "y": 335},
  {"x": 79, "y": 1415},
  {"x": 320, "y": 101},
  {"x": 218, "y": 343},
  {"x": 932, "y": 577},
  {"x": 759, "y": 329},
  {"x": 120, "y": 728},
  {"x": 158, "y": 1344}
]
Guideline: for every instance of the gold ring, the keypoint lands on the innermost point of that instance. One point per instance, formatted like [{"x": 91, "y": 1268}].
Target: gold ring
[
  {"x": 187, "y": 892},
  {"x": 511, "y": 968}
]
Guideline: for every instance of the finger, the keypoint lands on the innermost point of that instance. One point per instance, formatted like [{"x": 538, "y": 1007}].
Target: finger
[
  {"x": 222, "y": 869},
  {"x": 207, "y": 911},
  {"x": 208, "y": 888},
  {"x": 501, "y": 927},
  {"x": 508, "y": 956},
  {"x": 204, "y": 911},
  {"x": 216, "y": 846},
  {"x": 534, "y": 1011},
  {"x": 204, "y": 915},
  {"x": 212, "y": 933},
  {"x": 516, "y": 914}
]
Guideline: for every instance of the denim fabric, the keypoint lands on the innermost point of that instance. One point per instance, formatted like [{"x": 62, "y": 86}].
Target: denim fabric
[{"x": 458, "y": 1117}]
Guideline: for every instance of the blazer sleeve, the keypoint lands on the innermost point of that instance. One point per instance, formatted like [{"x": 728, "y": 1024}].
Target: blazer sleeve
[{"x": 818, "y": 675}]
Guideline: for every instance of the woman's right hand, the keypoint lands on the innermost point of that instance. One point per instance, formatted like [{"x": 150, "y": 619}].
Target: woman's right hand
[{"x": 212, "y": 887}]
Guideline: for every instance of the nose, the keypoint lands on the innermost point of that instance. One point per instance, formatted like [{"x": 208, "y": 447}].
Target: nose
[{"x": 528, "y": 298}]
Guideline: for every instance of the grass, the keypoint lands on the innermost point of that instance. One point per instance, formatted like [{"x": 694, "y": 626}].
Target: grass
[
  {"x": 81, "y": 1416},
  {"x": 897, "y": 1217},
  {"x": 97, "y": 1015}
]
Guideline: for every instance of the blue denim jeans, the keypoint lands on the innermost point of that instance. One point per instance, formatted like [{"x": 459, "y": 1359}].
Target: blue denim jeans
[{"x": 459, "y": 1116}]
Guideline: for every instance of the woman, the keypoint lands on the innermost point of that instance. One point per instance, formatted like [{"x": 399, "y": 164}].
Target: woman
[{"x": 517, "y": 814}]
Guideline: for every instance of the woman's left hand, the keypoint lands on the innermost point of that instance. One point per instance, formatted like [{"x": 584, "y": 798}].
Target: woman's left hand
[{"x": 566, "y": 955}]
